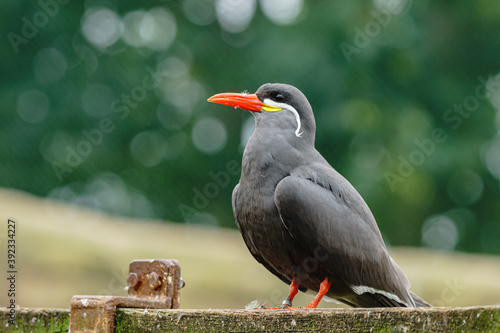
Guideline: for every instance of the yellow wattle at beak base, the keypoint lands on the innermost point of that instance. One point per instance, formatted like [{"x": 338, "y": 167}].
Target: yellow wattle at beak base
[{"x": 270, "y": 108}]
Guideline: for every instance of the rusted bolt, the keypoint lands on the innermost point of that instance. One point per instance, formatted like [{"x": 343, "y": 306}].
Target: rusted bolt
[
  {"x": 154, "y": 280},
  {"x": 132, "y": 280},
  {"x": 158, "y": 279}
]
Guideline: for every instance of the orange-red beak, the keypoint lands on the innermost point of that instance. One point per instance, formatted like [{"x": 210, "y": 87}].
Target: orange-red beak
[{"x": 248, "y": 102}]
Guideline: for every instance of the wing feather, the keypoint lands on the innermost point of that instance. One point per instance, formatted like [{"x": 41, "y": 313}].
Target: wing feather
[{"x": 325, "y": 213}]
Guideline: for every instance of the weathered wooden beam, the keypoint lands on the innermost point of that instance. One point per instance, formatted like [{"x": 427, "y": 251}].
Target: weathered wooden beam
[
  {"x": 34, "y": 320},
  {"x": 470, "y": 319}
]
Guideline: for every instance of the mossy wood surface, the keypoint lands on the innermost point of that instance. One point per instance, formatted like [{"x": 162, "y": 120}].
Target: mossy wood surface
[
  {"x": 470, "y": 319},
  {"x": 473, "y": 319},
  {"x": 35, "y": 320}
]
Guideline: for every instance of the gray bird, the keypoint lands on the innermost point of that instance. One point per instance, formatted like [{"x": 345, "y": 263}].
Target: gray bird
[{"x": 300, "y": 218}]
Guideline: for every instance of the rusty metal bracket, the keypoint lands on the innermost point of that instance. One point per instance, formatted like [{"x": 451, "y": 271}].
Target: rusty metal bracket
[{"x": 152, "y": 284}]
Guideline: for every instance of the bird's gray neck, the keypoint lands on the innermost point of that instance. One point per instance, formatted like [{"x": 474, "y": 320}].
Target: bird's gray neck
[
  {"x": 270, "y": 155},
  {"x": 285, "y": 124}
]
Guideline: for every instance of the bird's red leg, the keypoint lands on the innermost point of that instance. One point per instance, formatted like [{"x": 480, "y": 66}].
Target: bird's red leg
[
  {"x": 323, "y": 289},
  {"x": 294, "y": 289}
]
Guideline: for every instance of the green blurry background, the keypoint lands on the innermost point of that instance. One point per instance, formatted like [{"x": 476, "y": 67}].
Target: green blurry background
[{"x": 104, "y": 107}]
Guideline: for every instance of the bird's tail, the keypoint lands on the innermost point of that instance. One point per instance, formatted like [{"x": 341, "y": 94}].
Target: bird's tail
[{"x": 420, "y": 303}]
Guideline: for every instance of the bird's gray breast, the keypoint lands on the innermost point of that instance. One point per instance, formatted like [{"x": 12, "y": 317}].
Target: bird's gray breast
[
  {"x": 256, "y": 213},
  {"x": 259, "y": 177}
]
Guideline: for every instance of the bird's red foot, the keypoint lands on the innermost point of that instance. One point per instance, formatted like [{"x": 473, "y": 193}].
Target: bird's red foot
[
  {"x": 287, "y": 304},
  {"x": 283, "y": 307},
  {"x": 286, "y": 307},
  {"x": 323, "y": 289}
]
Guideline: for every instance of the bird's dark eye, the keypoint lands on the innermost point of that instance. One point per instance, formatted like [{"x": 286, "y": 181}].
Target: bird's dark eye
[{"x": 279, "y": 98}]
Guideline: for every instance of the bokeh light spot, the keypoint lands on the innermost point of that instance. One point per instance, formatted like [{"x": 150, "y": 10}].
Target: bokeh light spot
[
  {"x": 199, "y": 12},
  {"x": 49, "y": 66},
  {"x": 110, "y": 191},
  {"x": 235, "y": 15},
  {"x": 282, "y": 12},
  {"x": 155, "y": 29},
  {"x": 148, "y": 148},
  {"x": 33, "y": 106},
  {"x": 175, "y": 67},
  {"x": 132, "y": 24},
  {"x": 54, "y": 146},
  {"x": 465, "y": 187},
  {"x": 185, "y": 94},
  {"x": 159, "y": 30},
  {"x": 440, "y": 232},
  {"x": 101, "y": 27},
  {"x": 209, "y": 135},
  {"x": 491, "y": 156},
  {"x": 392, "y": 6}
]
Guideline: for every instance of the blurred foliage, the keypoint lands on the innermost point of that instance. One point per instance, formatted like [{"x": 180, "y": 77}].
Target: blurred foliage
[{"x": 104, "y": 105}]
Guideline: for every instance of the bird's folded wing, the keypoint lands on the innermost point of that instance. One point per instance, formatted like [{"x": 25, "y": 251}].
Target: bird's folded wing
[{"x": 323, "y": 212}]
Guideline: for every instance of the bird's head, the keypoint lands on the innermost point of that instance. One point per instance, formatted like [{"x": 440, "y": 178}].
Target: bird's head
[{"x": 275, "y": 105}]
